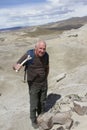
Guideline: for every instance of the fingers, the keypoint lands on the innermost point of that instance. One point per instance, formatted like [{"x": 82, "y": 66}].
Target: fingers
[{"x": 17, "y": 67}]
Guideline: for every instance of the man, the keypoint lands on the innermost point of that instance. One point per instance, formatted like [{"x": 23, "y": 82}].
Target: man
[{"x": 37, "y": 72}]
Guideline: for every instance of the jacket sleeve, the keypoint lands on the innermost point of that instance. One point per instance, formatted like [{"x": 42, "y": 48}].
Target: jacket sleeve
[{"x": 22, "y": 58}]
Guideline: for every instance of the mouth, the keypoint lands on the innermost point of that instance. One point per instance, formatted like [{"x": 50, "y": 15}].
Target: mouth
[{"x": 41, "y": 54}]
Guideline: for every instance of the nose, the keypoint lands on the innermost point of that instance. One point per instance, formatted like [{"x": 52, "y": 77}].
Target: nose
[{"x": 42, "y": 50}]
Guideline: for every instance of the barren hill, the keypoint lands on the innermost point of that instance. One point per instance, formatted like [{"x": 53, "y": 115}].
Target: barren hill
[{"x": 68, "y": 73}]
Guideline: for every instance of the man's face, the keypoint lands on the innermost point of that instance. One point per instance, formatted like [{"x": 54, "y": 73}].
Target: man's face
[{"x": 41, "y": 49}]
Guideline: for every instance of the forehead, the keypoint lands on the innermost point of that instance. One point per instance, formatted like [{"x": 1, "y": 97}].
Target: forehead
[{"x": 41, "y": 45}]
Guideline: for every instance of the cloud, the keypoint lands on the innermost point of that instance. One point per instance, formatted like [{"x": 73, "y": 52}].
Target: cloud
[{"x": 51, "y": 11}]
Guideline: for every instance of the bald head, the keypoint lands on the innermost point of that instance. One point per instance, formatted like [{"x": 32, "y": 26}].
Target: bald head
[
  {"x": 40, "y": 48},
  {"x": 39, "y": 43}
]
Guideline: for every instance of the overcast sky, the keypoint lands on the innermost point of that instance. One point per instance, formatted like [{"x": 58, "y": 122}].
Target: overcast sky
[{"x": 15, "y": 13}]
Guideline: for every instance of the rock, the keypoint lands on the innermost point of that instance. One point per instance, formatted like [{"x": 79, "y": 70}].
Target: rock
[
  {"x": 61, "y": 118},
  {"x": 45, "y": 121},
  {"x": 68, "y": 123},
  {"x": 80, "y": 107},
  {"x": 44, "y": 126},
  {"x": 60, "y": 128}
]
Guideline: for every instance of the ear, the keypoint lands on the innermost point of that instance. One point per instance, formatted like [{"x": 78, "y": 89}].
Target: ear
[{"x": 35, "y": 46}]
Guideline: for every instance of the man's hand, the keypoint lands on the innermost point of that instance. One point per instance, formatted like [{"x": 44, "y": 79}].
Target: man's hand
[{"x": 17, "y": 67}]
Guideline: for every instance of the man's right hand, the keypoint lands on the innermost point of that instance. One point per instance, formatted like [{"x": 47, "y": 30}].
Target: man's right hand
[{"x": 17, "y": 67}]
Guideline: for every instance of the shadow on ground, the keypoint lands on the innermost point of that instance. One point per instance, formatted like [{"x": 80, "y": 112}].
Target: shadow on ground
[{"x": 51, "y": 100}]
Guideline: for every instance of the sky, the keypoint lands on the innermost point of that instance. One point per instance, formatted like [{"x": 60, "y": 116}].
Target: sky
[{"x": 17, "y": 13}]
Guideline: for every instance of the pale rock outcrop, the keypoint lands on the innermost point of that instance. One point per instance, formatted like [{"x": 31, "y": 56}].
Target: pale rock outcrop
[{"x": 80, "y": 107}]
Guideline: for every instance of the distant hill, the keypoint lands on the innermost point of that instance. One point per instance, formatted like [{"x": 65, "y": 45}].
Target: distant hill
[
  {"x": 12, "y": 28},
  {"x": 51, "y": 28},
  {"x": 57, "y": 27},
  {"x": 71, "y": 21}
]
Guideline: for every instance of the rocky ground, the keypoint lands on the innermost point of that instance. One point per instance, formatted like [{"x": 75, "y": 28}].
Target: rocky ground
[{"x": 67, "y": 78}]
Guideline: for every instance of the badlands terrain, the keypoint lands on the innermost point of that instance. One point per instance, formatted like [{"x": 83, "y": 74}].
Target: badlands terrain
[{"x": 67, "y": 48}]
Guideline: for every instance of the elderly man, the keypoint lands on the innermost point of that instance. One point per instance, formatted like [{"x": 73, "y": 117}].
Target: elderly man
[{"x": 37, "y": 72}]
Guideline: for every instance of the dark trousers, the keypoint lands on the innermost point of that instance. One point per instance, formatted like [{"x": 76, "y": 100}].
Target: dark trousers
[{"x": 38, "y": 94}]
